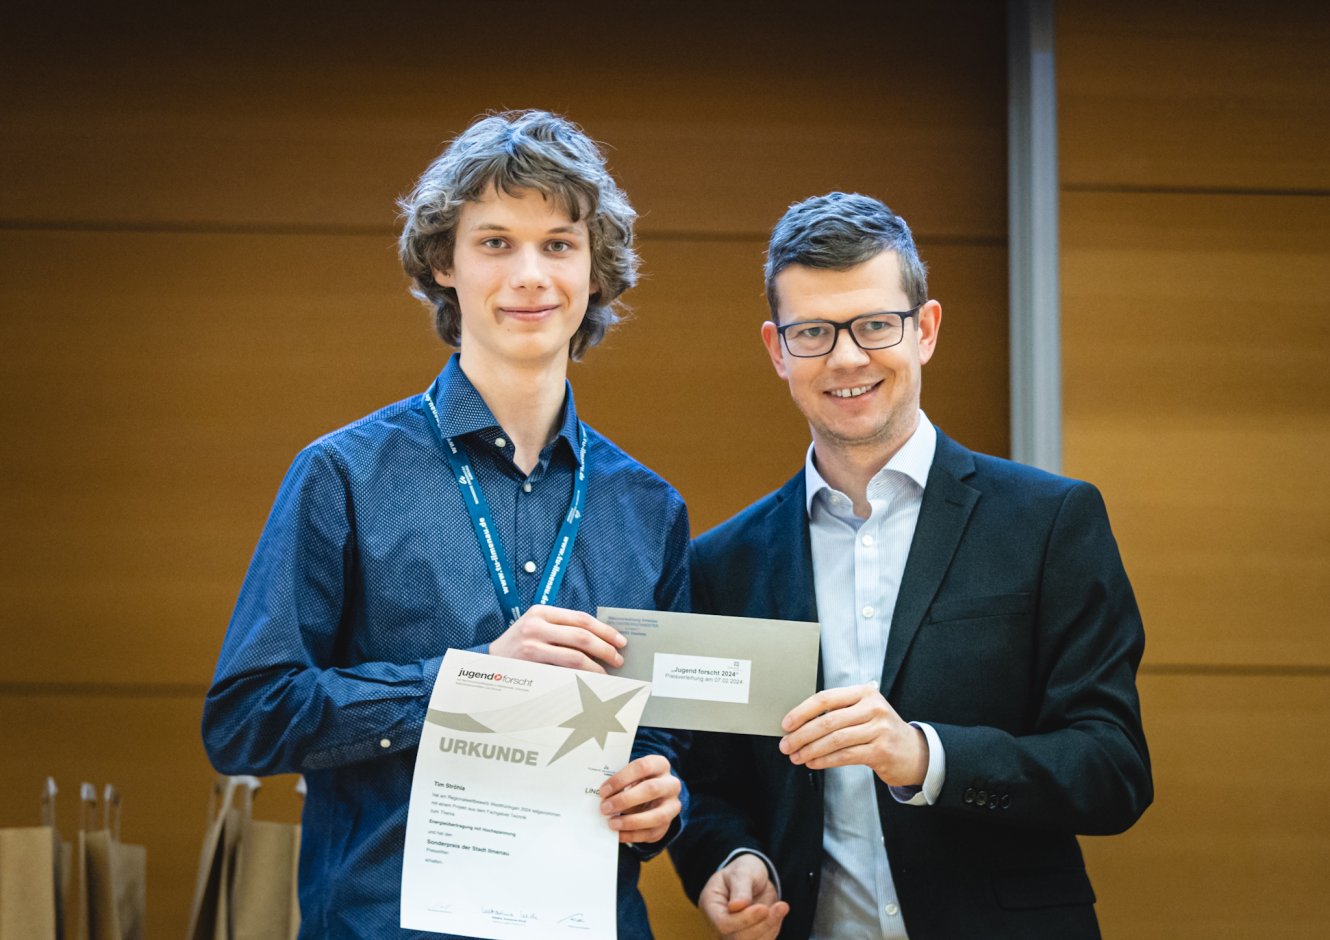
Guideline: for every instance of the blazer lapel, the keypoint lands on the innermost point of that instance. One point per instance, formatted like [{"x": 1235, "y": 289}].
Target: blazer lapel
[
  {"x": 788, "y": 578},
  {"x": 943, "y": 515}
]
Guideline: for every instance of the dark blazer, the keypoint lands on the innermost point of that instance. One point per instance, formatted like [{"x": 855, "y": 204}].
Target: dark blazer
[{"x": 1017, "y": 637}]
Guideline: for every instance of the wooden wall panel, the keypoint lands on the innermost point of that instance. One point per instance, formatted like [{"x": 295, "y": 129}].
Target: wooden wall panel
[
  {"x": 966, "y": 390},
  {"x": 1197, "y": 361},
  {"x": 718, "y": 113},
  {"x": 673, "y": 916},
  {"x": 1196, "y": 389},
  {"x": 1236, "y": 842},
  {"x": 1222, "y": 95},
  {"x": 159, "y": 385}
]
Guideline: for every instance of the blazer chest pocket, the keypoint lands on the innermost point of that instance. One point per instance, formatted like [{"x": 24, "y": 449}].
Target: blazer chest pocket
[{"x": 976, "y": 608}]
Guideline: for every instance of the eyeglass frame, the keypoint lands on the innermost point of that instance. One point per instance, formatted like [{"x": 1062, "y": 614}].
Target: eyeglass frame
[{"x": 848, "y": 326}]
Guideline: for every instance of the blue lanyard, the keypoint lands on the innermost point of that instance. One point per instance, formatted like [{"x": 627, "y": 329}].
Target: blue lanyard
[{"x": 501, "y": 575}]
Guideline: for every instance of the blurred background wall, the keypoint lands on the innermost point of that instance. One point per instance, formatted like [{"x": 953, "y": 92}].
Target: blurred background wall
[
  {"x": 1196, "y": 366},
  {"x": 198, "y": 276}
]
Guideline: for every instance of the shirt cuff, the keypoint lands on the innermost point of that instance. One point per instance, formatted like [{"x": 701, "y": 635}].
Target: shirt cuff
[
  {"x": 927, "y": 794},
  {"x": 646, "y": 851},
  {"x": 771, "y": 869}
]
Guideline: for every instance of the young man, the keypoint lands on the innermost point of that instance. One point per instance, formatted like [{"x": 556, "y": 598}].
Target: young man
[
  {"x": 371, "y": 564},
  {"x": 979, "y": 643}
]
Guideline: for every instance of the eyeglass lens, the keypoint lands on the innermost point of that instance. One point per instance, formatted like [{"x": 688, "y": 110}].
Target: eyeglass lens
[{"x": 818, "y": 337}]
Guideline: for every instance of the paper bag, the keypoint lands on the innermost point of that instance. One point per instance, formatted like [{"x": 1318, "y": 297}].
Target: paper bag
[
  {"x": 246, "y": 886},
  {"x": 108, "y": 896},
  {"x": 208, "y": 917},
  {"x": 121, "y": 872},
  {"x": 30, "y": 877},
  {"x": 264, "y": 904}
]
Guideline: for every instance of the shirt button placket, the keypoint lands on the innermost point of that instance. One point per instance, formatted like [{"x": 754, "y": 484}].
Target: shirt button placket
[{"x": 521, "y": 546}]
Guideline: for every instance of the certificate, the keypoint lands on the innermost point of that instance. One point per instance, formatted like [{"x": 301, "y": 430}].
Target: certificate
[
  {"x": 711, "y": 673},
  {"x": 504, "y": 834}
]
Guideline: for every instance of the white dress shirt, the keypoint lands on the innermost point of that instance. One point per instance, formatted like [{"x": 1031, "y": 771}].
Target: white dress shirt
[{"x": 857, "y": 569}]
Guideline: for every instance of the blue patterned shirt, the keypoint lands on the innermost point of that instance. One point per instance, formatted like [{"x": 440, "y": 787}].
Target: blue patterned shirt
[{"x": 367, "y": 571}]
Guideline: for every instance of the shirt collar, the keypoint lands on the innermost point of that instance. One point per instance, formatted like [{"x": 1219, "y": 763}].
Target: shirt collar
[
  {"x": 462, "y": 409},
  {"x": 914, "y": 458}
]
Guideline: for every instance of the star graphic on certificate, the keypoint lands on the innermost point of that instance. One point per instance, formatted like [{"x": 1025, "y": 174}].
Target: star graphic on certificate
[{"x": 595, "y": 720}]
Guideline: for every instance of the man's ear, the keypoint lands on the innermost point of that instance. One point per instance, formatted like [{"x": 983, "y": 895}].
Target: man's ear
[
  {"x": 444, "y": 278},
  {"x": 771, "y": 339},
  {"x": 930, "y": 322}
]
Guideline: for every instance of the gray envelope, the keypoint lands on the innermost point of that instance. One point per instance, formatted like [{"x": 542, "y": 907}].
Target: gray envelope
[{"x": 711, "y": 673}]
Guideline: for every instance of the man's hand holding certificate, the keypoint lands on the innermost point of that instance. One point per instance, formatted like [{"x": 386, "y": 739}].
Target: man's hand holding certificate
[{"x": 507, "y": 833}]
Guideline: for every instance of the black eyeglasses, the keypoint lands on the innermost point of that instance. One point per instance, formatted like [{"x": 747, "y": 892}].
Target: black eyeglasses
[{"x": 808, "y": 339}]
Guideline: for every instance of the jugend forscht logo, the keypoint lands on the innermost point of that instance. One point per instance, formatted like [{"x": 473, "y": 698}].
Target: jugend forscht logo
[{"x": 497, "y": 678}]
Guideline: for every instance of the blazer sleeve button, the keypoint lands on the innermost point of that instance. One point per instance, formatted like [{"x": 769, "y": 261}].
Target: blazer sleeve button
[
  {"x": 981, "y": 798},
  {"x": 1006, "y": 800},
  {"x": 969, "y": 795}
]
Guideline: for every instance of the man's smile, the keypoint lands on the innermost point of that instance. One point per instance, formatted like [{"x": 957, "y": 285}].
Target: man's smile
[{"x": 853, "y": 391}]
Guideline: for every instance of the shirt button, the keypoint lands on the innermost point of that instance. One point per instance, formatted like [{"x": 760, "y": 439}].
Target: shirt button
[
  {"x": 385, "y": 742},
  {"x": 867, "y": 540},
  {"x": 529, "y": 567},
  {"x": 892, "y": 910},
  {"x": 500, "y": 442},
  {"x": 526, "y": 487},
  {"x": 868, "y": 611}
]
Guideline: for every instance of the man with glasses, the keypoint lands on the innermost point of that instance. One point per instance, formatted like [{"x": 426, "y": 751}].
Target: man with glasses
[{"x": 980, "y": 642}]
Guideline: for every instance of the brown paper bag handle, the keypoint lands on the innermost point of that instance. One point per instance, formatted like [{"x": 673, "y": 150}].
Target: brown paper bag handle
[
  {"x": 49, "y": 790},
  {"x": 111, "y": 811},
  {"x": 223, "y": 793},
  {"x": 247, "y": 787},
  {"x": 217, "y": 796},
  {"x": 87, "y": 807}
]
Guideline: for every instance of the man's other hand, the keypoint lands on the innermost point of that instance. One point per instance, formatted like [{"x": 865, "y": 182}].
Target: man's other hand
[{"x": 741, "y": 903}]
